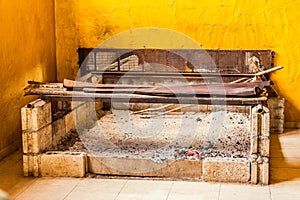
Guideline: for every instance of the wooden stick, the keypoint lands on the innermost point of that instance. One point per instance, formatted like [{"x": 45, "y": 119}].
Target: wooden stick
[
  {"x": 268, "y": 71},
  {"x": 239, "y": 80},
  {"x": 46, "y": 91},
  {"x": 85, "y": 77},
  {"x": 168, "y": 111},
  {"x": 79, "y": 84},
  {"x": 152, "y": 109}
]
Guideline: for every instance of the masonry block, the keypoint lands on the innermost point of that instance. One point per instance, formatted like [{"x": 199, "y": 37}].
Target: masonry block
[
  {"x": 31, "y": 165},
  {"x": 183, "y": 169},
  {"x": 37, "y": 141},
  {"x": 58, "y": 130},
  {"x": 91, "y": 114},
  {"x": 264, "y": 146},
  {"x": 276, "y": 125},
  {"x": 255, "y": 124},
  {"x": 276, "y": 106},
  {"x": 81, "y": 116},
  {"x": 277, "y": 113},
  {"x": 75, "y": 104},
  {"x": 69, "y": 122},
  {"x": 216, "y": 108},
  {"x": 36, "y": 115},
  {"x": 226, "y": 170},
  {"x": 264, "y": 173},
  {"x": 254, "y": 173},
  {"x": 275, "y": 102},
  {"x": 64, "y": 105},
  {"x": 145, "y": 167},
  {"x": 265, "y": 124},
  {"x": 254, "y": 144},
  {"x": 63, "y": 164}
]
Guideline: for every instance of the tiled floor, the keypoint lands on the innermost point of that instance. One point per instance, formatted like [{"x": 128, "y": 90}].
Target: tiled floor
[{"x": 285, "y": 182}]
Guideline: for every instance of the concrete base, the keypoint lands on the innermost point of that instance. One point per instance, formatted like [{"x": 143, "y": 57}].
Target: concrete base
[
  {"x": 145, "y": 167},
  {"x": 63, "y": 164},
  {"x": 44, "y": 132},
  {"x": 226, "y": 170}
]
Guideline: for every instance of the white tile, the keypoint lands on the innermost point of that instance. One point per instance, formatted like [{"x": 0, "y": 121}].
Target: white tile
[
  {"x": 96, "y": 189},
  {"x": 285, "y": 197},
  {"x": 244, "y": 188},
  {"x": 243, "y": 195},
  {"x": 194, "y": 190},
  {"x": 145, "y": 189},
  {"x": 244, "y": 191},
  {"x": 288, "y": 187},
  {"x": 49, "y": 188}
]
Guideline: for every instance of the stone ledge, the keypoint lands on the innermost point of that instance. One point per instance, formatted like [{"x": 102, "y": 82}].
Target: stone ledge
[
  {"x": 226, "y": 170},
  {"x": 63, "y": 164},
  {"x": 36, "y": 116},
  {"x": 145, "y": 167},
  {"x": 37, "y": 141},
  {"x": 31, "y": 165}
]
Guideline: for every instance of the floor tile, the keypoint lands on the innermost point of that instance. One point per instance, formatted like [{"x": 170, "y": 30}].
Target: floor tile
[
  {"x": 10, "y": 161},
  {"x": 285, "y": 162},
  {"x": 99, "y": 189},
  {"x": 285, "y": 153},
  {"x": 284, "y": 174},
  {"x": 238, "y": 195},
  {"x": 284, "y": 171},
  {"x": 194, "y": 190},
  {"x": 49, "y": 188},
  {"x": 287, "y": 187},
  {"x": 145, "y": 189},
  {"x": 244, "y": 191}
]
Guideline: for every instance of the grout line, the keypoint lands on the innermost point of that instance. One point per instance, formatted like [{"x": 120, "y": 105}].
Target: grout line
[
  {"x": 170, "y": 190},
  {"x": 121, "y": 189},
  {"x": 15, "y": 196},
  {"x": 270, "y": 192},
  {"x": 72, "y": 189},
  {"x": 219, "y": 191}
]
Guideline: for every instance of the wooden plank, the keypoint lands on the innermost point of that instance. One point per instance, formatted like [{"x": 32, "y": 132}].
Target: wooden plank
[
  {"x": 79, "y": 84},
  {"x": 233, "y": 89},
  {"x": 134, "y": 98}
]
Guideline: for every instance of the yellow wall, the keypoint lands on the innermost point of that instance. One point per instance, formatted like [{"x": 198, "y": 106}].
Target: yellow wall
[
  {"x": 223, "y": 24},
  {"x": 27, "y": 52}
]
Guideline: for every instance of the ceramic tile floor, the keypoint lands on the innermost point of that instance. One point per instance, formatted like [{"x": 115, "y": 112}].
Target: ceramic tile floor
[{"x": 285, "y": 182}]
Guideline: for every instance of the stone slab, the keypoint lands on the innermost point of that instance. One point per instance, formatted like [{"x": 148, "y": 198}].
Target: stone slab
[
  {"x": 58, "y": 130},
  {"x": 36, "y": 115},
  {"x": 226, "y": 170},
  {"x": 63, "y": 164},
  {"x": 69, "y": 122},
  {"x": 31, "y": 165},
  {"x": 254, "y": 173},
  {"x": 145, "y": 167},
  {"x": 264, "y": 146},
  {"x": 37, "y": 141}
]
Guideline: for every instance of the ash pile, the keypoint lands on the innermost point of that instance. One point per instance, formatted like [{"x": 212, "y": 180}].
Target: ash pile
[{"x": 173, "y": 136}]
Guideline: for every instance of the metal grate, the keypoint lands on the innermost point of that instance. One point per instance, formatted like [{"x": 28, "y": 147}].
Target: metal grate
[{"x": 222, "y": 61}]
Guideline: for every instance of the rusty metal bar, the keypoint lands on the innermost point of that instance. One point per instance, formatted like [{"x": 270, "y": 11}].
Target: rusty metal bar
[{"x": 133, "y": 98}]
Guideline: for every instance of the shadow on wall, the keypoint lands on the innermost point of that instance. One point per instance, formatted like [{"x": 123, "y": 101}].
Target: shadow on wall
[
  {"x": 285, "y": 156},
  {"x": 292, "y": 114}
]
